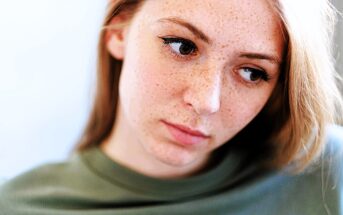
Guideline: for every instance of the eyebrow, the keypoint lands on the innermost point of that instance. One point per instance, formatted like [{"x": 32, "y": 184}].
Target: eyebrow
[
  {"x": 198, "y": 33},
  {"x": 260, "y": 56}
]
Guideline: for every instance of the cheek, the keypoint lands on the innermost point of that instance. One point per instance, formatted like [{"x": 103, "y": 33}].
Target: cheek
[
  {"x": 153, "y": 84},
  {"x": 240, "y": 107},
  {"x": 146, "y": 83},
  {"x": 157, "y": 82}
]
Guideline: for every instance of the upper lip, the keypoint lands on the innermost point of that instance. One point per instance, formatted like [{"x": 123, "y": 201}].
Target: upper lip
[{"x": 188, "y": 130}]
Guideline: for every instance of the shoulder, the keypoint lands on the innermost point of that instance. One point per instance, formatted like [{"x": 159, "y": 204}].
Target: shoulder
[
  {"x": 316, "y": 190},
  {"x": 334, "y": 140},
  {"x": 330, "y": 162},
  {"x": 327, "y": 175},
  {"x": 332, "y": 156},
  {"x": 40, "y": 187},
  {"x": 46, "y": 174}
]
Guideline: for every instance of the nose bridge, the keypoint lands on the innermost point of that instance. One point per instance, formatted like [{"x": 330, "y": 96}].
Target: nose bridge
[{"x": 204, "y": 91}]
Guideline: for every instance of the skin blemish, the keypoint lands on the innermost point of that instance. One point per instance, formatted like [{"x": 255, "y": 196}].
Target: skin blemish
[{"x": 212, "y": 90}]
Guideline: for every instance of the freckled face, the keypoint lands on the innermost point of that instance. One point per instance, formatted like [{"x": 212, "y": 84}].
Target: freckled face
[{"x": 195, "y": 73}]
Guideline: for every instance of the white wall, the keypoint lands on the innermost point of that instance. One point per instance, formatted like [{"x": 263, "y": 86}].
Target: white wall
[
  {"x": 47, "y": 69},
  {"x": 47, "y": 66}
]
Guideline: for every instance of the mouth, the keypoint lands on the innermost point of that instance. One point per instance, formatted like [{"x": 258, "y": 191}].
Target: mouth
[{"x": 185, "y": 135}]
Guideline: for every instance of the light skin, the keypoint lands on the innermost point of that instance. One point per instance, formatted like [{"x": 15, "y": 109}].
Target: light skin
[{"x": 206, "y": 66}]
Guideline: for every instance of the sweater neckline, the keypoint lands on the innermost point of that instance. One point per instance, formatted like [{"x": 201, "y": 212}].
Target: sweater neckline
[{"x": 166, "y": 189}]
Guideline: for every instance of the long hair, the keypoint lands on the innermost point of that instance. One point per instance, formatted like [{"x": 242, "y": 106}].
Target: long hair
[
  {"x": 306, "y": 99},
  {"x": 102, "y": 116},
  {"x": 313, "y": 94}
]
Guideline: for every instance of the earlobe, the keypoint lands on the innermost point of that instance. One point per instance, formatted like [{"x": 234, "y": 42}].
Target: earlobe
[{"x": 115, "y": 43}]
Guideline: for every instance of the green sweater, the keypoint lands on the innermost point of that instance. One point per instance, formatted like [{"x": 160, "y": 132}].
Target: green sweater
[{"x": 91, "y": 183}]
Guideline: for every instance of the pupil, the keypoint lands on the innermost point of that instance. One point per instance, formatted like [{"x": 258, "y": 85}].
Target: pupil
[
  {"x": 185, "y": 49},
  {"x": 254, "y": 76}
]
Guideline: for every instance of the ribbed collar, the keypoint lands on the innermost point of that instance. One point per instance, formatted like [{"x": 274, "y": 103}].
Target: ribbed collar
[{"x": 166, "y": 189}]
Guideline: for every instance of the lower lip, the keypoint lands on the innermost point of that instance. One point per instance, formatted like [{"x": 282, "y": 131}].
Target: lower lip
[{"x": 185, "y": 138}]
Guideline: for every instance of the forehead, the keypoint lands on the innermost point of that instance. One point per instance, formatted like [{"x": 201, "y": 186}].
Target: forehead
[{"x": 225, "y": 21}]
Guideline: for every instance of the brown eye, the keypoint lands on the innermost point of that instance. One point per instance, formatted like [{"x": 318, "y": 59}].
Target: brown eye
[
  {"x": 180, "y": 46},
  {"x": 253, "y": 75}
]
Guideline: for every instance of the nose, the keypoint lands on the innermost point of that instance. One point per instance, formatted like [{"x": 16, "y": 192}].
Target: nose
[{"x": 203, "y": 92}]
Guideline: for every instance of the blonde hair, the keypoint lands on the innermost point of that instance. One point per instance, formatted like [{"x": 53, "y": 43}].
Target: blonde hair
[
  {"x": 313, "y": 94},
  {"x": 294, "y": 120}
]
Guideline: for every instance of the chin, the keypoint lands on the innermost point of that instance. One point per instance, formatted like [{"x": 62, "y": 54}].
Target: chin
[
  {"x": 174, "y": 156},
  {"x": 176, "y": 161}
]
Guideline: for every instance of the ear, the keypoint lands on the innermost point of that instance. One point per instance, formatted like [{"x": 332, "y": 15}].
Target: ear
[{"x": 115, "y": 39}]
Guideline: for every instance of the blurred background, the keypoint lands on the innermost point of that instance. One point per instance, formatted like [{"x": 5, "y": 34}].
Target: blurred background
[{"x": 47, "y": 74}]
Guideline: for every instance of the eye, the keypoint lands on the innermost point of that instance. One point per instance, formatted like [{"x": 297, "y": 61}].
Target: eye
[
  {"x": 252, "y": 75},
  {"x": 180, "y": 46}
]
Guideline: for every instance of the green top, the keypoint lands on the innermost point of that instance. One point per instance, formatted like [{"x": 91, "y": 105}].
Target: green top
[{"x": 91, "y": 183}]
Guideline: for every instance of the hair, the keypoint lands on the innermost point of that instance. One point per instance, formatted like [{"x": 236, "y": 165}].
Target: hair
[{"x": 291, "y": 126}]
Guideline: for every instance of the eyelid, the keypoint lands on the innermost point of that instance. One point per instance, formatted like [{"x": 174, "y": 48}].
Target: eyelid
[
  {"x": 262, "y": 80},
  {"x": 177, "y": 39},
  {"x": 174, "y": 39},
  {"x": 169, "y": 40}
]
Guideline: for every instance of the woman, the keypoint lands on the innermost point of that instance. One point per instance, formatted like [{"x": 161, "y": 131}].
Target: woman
[{"x": 203, "y": 107}]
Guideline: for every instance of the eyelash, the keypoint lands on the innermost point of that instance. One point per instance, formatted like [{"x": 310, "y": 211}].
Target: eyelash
[
  {"x": 262, "y": 75},
  {"x": 168, "y": 41}
]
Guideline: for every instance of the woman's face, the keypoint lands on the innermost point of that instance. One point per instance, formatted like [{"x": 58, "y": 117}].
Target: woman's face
[{"x": 195, "y": 73}]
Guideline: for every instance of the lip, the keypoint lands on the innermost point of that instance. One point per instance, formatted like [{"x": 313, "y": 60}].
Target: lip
[{"x": 185, "y": 135}]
